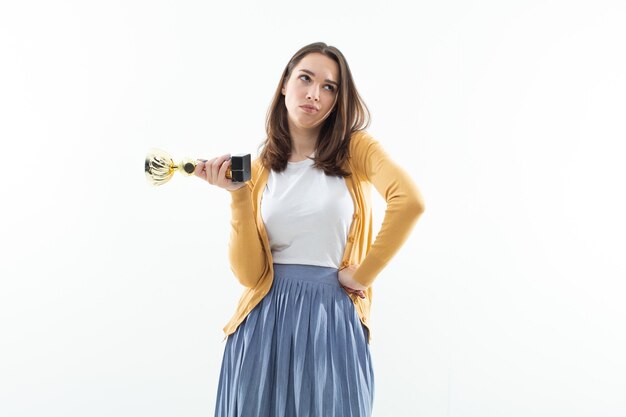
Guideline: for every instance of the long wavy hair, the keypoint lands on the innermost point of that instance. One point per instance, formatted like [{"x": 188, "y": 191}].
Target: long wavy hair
[{"x": 349, "y": 115}]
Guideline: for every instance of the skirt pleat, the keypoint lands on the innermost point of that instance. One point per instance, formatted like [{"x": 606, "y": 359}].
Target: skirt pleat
[{"x": 301, "y": 352}]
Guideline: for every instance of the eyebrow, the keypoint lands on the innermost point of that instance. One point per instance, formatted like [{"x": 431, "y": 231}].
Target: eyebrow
[{"x": 313, "y": 74}]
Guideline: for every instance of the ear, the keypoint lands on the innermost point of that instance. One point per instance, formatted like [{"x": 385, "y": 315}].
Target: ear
[{"x": 283, "y": 90}]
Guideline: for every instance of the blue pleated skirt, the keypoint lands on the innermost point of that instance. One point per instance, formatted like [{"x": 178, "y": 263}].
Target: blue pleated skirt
[{"x": 301, "y": 352}]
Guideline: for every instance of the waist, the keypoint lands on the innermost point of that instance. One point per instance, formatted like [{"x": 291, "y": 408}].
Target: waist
[{"x": 312, "y": 273}]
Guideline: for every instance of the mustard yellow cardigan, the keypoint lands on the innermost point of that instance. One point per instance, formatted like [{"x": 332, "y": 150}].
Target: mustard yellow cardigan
[{"x": 249, "y": 250}]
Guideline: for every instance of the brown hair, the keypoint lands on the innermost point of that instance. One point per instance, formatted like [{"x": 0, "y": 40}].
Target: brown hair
[{"x": 350, "y": 114}]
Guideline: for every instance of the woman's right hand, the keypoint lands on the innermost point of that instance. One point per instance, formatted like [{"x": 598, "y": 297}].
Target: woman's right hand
[{"x": 214, "y": 172}]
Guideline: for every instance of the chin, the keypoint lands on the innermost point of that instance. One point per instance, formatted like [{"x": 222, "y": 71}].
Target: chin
[{"x": 308, "y": 124}]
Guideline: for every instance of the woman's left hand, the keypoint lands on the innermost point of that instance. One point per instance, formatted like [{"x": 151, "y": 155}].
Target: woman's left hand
[{"x": 347, "y": 282}]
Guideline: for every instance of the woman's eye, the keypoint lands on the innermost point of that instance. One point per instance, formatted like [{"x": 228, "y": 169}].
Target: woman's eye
[{"x": 307, "y": 78}]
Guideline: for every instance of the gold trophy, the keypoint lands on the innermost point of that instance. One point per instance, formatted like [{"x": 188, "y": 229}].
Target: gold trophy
[{"x": 160, "y": 166}]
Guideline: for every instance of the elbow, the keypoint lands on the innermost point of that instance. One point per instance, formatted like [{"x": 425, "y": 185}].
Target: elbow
[
  {"x": 412, "y": 201},
  {"x": 415, "y": 207},
  {"x": 245, "y": 278},
  {"x": 248, "y": 273},
  {"x": 247, "y": 262}
]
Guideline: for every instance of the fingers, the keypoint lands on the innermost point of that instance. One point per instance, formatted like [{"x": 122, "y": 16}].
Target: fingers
[
  {"x": 216, "y": 164},
  {"x": 200, "y": 170},
  {"x": 212, "y": 170},
  {"x": 222, "y": 171},
  {"x": 360, "y": 293}
]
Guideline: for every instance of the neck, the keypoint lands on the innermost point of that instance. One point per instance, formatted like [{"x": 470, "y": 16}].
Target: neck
[{"x": 303, "y": 140}]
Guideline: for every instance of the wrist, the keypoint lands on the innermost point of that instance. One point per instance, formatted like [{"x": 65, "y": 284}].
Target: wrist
[
  {"x": 355, "y": 285},
  {"x": 350, "y": 282},
  {"x": 240, "y": 192}
]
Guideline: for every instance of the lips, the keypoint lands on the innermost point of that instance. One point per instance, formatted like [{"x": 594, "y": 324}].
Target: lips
[{"x": 308, "y": 108}]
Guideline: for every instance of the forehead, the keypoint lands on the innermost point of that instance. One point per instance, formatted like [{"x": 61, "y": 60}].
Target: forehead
[{"x": 321, "y": 65}]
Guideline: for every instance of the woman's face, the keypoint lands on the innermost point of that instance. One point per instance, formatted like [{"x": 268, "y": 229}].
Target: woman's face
[{"x": 313, "y": 83}]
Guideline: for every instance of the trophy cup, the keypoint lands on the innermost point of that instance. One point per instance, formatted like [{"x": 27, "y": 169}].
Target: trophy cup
[{"x": 160, "y": 166}]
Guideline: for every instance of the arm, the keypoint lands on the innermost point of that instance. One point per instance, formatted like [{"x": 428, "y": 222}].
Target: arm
[
  {"x": 245, "y": 251},
  {"x": 404, "y": 205}
]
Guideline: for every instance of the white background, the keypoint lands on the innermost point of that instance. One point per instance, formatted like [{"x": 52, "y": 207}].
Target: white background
[{"x": 507, "y": 299}]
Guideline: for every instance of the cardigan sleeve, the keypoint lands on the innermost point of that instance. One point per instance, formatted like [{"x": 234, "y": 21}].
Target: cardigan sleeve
[
  {"x": 245, "y": 250},
  {"x": 405, "y": 204}
]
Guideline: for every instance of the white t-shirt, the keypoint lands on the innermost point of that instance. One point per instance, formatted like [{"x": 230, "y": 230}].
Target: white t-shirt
[{"x": 307, "y": 215}]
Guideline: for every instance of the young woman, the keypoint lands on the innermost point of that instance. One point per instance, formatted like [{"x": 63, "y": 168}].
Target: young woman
[{"x": 300, "y": 244}]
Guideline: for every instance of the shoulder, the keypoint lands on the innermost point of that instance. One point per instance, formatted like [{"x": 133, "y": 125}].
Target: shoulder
[
  {"x": 256, "y": 168},
  {"x": 360, "y": 143},
  {"x": 359, "y": 138},
  {"x": 361, "y": 147},
  {"x": 367, "y": 154}
]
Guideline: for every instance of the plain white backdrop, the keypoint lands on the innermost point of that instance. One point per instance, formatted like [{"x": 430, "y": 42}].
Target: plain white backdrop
[{"x": 507, "y": 299}]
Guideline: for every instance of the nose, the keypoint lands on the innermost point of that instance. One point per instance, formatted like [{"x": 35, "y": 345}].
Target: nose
[{"x": 313, "y": 93}]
